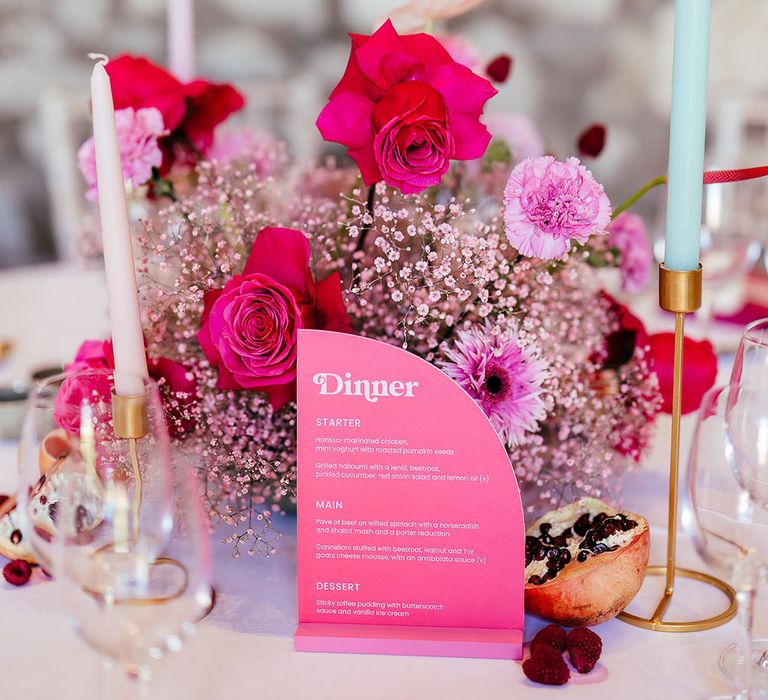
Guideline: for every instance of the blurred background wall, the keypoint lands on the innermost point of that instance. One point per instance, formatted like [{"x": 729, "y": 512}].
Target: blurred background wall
[{"x": 574, "y": 63}]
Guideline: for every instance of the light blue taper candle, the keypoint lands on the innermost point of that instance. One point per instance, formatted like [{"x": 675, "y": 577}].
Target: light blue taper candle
[{"x": 687, "y": 131}]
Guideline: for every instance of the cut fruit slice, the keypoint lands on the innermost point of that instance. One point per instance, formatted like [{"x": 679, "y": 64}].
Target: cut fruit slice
[{"x": 584, "y": 562}]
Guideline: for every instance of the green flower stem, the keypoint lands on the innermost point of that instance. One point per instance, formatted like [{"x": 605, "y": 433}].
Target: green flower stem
[{"x": 647, "y": 187}]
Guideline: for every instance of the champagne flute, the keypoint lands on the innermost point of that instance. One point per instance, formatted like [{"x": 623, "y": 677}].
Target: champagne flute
[
  {"x": 102, "y": 513},
  {"x": 729, "y": 530}
]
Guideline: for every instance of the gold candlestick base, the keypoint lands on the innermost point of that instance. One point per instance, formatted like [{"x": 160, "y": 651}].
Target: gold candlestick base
[{"x": 680, "y": 293}]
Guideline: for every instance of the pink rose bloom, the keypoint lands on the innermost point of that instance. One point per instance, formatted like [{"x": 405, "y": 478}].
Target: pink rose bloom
[
  {"x": 96, "y": 353},
  {"x": 404, "y": 109},
  {"x": 519, "y": 133},
  {"x": 627, "y": 233},
  {"x": 176, "y": 383},
  {"x": 80, "y": 387},
  {"x": 250, "y": 327},
  {"x": 548, "y": 203},
  {"x": 137, "y": 135}
]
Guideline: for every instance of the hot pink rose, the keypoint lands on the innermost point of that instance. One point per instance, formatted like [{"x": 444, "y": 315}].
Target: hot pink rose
[
  {"x": 404, "y": 109},
  {"x": 250, "y": 327},
  {"x": 78, "y": 388}
]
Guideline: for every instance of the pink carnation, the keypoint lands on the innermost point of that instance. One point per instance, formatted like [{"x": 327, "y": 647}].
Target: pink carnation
[
  {"x": 627, "y": 233},
  {"x": 137, "y": 135},
  {"x": 548, "y": 203}
]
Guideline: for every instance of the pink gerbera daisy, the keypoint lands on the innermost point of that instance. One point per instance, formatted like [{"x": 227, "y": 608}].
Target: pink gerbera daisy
[
  {"x": 503, "y": 376},
  {"x": 548, "y": 203}
]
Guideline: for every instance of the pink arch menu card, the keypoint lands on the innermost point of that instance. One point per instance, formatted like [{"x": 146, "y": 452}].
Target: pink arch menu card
[{"x": 410, "y": 526}]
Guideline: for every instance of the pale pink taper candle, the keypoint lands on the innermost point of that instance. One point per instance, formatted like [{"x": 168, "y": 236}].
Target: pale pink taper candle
[
  {"x": 124, "y": 313},
  {"x": 181, "y": 39}
]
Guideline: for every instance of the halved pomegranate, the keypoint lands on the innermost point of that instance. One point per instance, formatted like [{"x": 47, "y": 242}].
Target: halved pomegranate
[{"x": 584, "y": 562}]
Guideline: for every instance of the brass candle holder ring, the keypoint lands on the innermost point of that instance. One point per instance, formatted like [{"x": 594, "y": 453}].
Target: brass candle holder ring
[{"x": 679, "y": 293}]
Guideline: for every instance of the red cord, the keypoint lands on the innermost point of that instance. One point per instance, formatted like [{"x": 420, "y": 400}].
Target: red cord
[{"x": 713, "y": 177}]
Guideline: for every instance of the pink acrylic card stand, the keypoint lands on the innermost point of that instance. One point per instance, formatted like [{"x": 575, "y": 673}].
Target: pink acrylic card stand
[{"x": 410, "y": 526}]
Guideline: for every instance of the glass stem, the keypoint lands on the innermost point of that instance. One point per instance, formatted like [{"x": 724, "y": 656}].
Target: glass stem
[
  {"x": 119, "y": 682},
  {"x": 745, "y": 599}
]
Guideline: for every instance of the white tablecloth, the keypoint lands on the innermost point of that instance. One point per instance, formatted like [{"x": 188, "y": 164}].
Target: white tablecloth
[{"x": 245, "y": 647}]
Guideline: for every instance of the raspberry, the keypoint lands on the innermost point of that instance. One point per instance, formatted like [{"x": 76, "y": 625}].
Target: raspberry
[
  {"x": 17, "y": 572},
  {"x": 553, "y": 635},
  {"x": 547, "y": 666},
  {"x": 584, "y": 648}
]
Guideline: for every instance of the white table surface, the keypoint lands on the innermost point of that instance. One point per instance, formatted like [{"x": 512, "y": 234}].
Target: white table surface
[{"x": 245, "y": 647}]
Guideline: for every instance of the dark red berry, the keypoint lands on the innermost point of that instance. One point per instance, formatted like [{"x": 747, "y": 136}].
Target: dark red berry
[
  {"x": 547, "y": 666},
  {"x": 16, "y": 537},
  {"x": 499, "y": 68},
  {"x": 584, "y": 648},
  {"x": 592, "y": 140},
  {"x": 551, "y": 635},
  {"x": 17, "y": 572},
  {"x": 3, "y": 498}
]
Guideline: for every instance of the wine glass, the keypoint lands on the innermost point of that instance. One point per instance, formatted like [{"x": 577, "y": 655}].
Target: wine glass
[
  {"x": 751, "y": 363},
  {"x": 747, "y": 439},
  {"x": 116, "y": 523},
  {"x": 729, "y": 530}
]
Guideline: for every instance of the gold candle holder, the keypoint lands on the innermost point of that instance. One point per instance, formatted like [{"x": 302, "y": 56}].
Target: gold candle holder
[
  {"x": 129, "y": 417},
  {"x": 680, "y": 293}
]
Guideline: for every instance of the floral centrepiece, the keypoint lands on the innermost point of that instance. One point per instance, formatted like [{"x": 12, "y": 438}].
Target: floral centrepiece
[{"x": 484, "y": 268}]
